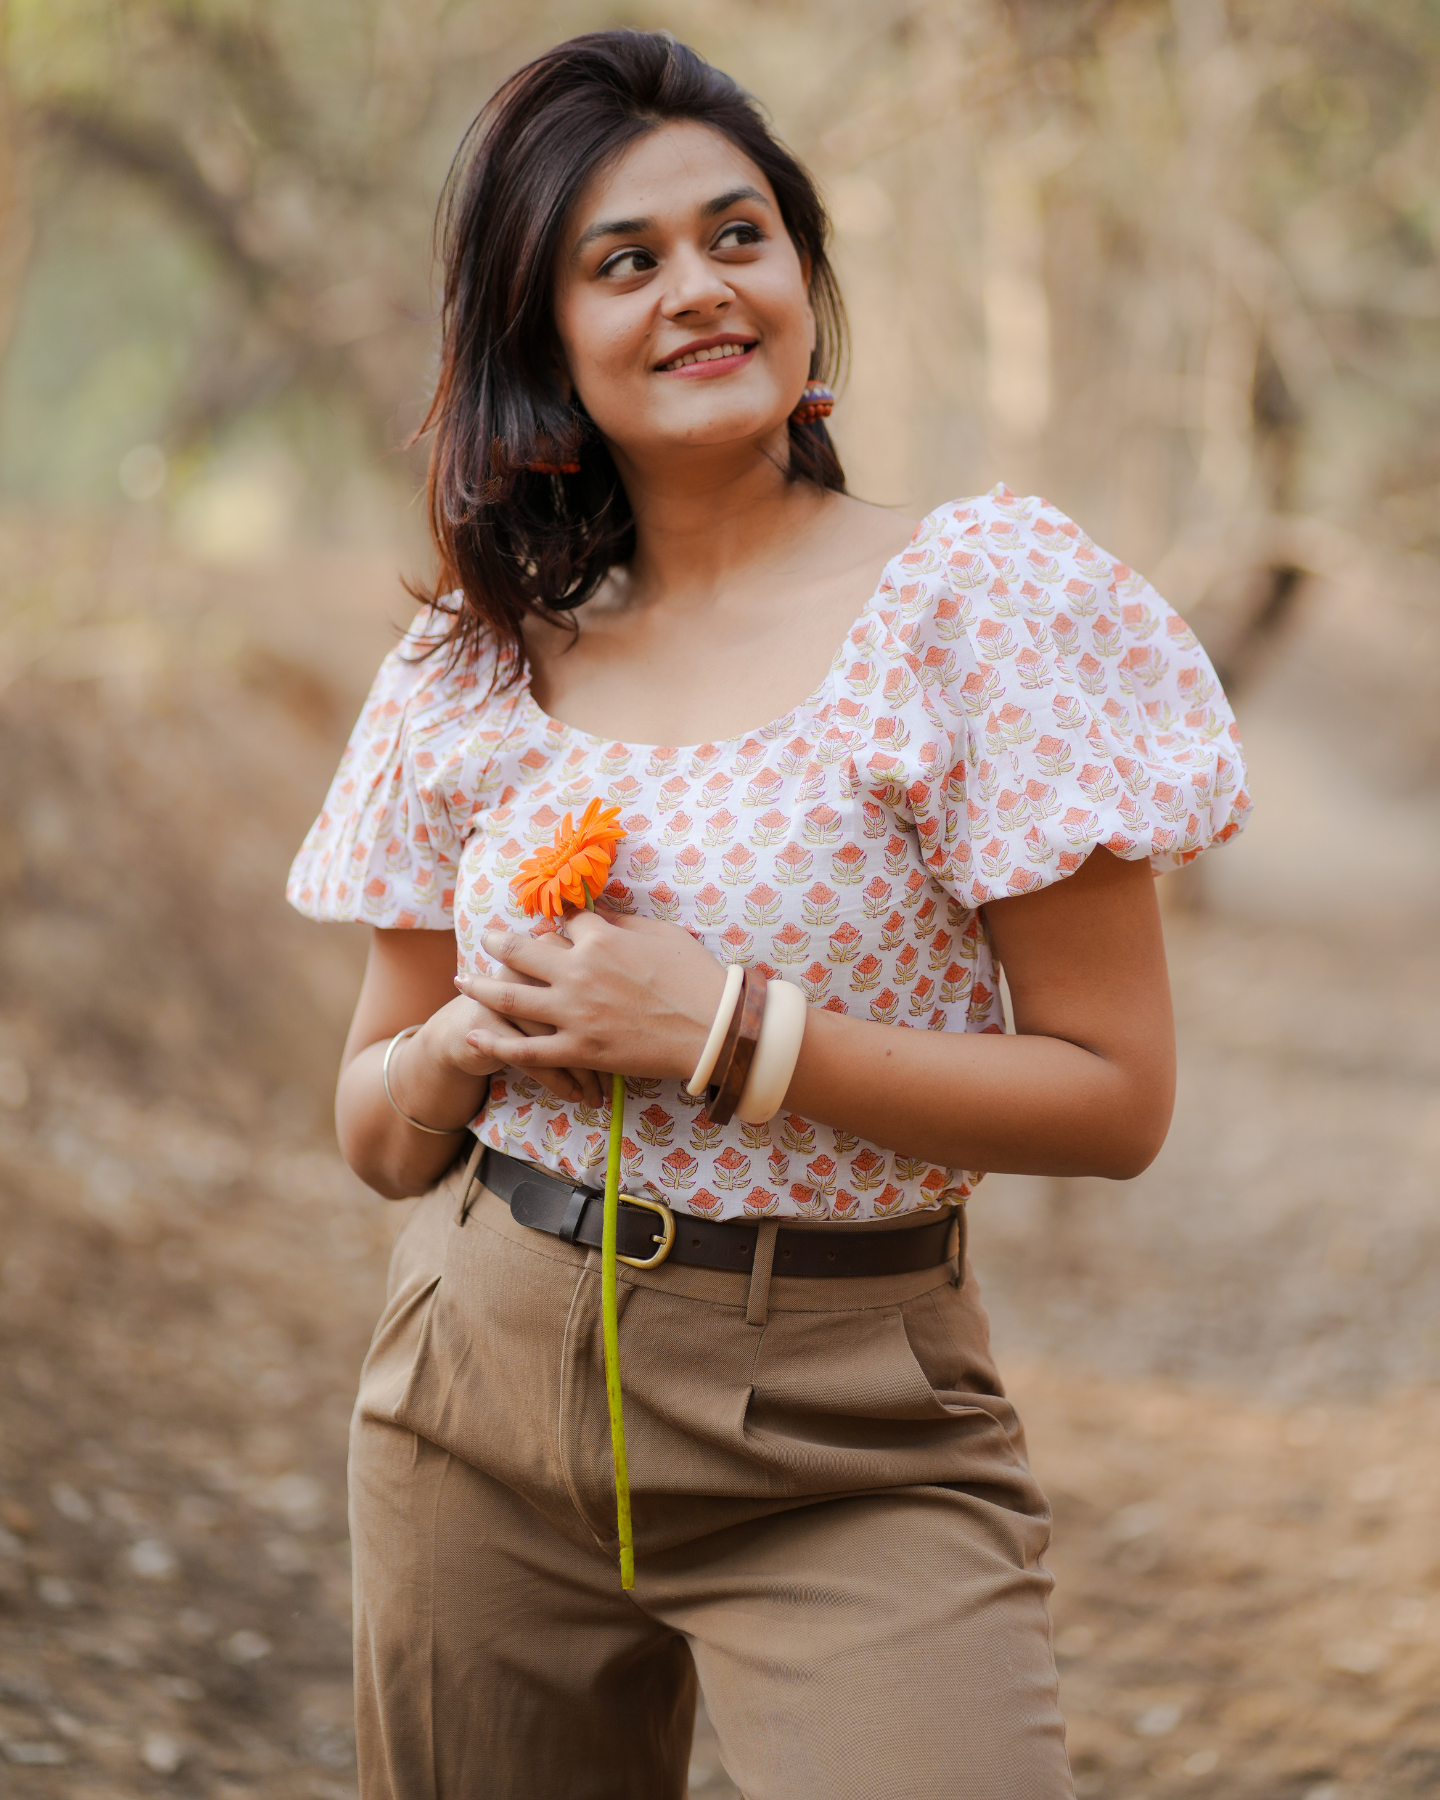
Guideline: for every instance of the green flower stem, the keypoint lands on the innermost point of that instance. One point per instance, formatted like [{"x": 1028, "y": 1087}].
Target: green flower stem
[
  {"x": 611, "y": 1327},
  {"x": 610, "y": 1321}
]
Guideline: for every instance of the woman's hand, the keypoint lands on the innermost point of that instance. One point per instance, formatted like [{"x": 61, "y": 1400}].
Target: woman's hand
[
  {"x": 619, "y": 993},
  {"x": 437, "y": 1075},
  {"x": 447, "y": 1039}
]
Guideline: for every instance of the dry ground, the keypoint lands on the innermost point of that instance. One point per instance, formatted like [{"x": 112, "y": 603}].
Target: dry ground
[{"x": 1227, "y": 1368}]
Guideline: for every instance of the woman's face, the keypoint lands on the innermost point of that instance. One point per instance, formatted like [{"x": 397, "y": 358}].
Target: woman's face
[{"x": 680, "y": 300}]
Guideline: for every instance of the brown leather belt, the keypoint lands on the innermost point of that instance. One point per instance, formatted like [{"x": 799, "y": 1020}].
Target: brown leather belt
[{"x": 649, "y": 1233}]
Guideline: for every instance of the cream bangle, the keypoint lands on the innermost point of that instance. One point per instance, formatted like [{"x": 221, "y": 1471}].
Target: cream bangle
[
  {"x": 775, "y": 1055},
  {"x": 434, "y": 1130},
  {"x": 705, "y": 1068}
]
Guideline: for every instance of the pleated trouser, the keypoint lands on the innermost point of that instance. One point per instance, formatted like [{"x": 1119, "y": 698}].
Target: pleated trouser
[{"x": 836, "y": 1531}]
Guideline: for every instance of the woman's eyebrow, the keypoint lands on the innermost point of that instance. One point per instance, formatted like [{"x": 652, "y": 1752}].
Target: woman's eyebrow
[
  {"x": 612, "y": 228},
  {"x": 637, "y": 227},
  {"x": 723, "y": 202}
]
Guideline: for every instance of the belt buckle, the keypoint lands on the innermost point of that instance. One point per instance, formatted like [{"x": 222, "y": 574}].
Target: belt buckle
[{"x": 666, "y": 1242}]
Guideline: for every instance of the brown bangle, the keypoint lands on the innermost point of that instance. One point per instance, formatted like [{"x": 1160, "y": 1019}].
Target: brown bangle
[
  {"x": 728, "y": 1047},
  {"x": 738, "y": 1051}
]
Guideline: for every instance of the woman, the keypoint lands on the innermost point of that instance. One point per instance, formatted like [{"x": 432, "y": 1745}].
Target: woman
[{"x": 646, "y": 551}]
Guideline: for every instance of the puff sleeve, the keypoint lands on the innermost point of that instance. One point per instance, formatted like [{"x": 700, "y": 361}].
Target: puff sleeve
[
  {"x": 1058, "y": 703},
  {"x": 414, "y": 775}
]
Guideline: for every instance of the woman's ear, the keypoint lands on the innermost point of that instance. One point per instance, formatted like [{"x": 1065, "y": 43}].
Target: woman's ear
[
  {"x": 805, "y": 267},
  {"x": 560, "y": 368}
]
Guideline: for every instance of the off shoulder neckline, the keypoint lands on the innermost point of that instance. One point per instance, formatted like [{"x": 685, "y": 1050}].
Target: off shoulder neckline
[{"x": 536, "y": 714}]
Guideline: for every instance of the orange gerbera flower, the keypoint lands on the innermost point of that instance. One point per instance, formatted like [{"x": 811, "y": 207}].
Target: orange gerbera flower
[{"x": 572, "y": 871}]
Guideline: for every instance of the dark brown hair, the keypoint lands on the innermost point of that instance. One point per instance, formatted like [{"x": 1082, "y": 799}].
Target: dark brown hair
[{"x": 512, "y": 540}]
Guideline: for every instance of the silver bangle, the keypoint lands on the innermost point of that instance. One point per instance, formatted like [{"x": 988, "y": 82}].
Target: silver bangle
[{"x": 434, "y": 1130}]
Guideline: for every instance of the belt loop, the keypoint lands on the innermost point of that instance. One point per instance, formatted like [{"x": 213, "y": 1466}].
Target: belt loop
[
  {"x": 757, "y": 1310},
  {"x": 574, "y": 1213},
  {"x": 467, "y": 1184}
]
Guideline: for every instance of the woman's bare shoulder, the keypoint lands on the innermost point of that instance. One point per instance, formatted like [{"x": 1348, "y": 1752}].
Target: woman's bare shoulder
[{"x": 864, "y": 530}]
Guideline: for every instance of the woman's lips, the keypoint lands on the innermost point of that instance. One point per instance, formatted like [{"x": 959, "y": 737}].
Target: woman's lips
[{"x": 717, "y": 361}]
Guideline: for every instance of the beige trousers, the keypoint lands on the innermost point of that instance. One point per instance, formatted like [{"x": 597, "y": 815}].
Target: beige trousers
[{"x": 835, "y": 1530}]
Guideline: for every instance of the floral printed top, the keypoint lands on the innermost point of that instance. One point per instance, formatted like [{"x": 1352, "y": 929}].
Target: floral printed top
[{"x": 1009, "y": 698}]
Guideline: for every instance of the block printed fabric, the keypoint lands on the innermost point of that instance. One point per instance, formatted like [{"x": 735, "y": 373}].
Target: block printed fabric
[{"x": 1009, "y": 698}]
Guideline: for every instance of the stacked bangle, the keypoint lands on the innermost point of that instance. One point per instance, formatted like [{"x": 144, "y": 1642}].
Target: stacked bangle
[
  {"x": 776, "y": 1054},
  {"x": 737, "y": 1052},
  {"x": 724, "y": 1013},
  {"x": 760, "y": 1049}
]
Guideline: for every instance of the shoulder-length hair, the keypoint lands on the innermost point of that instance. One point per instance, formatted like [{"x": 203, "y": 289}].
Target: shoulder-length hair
[{"x": 510, "y": 538}]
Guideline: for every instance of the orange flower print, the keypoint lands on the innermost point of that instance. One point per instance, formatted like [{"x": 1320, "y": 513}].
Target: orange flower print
[{"x": 572, "y": 871}]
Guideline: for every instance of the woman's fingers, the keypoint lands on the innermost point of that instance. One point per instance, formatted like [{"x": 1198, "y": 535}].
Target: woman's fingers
[
  {"x": 516, "y": 1001},
  {"x": 631, "y": 993},
  {"x": 536, "y": 956},
  {"x": 560, "y": 1082},
  {"x": 492, "y": 1039},
  {"x": 584, "y": 926},
  {"x": 633, "y": 922},
  {"x": 521, "y": 1008},
  {"x": 536, "y": 1057},
  {"x": 524, "y": 1052},
  {"x": 589, "y": 1084},
  {"x": 569, "y": 1084}
]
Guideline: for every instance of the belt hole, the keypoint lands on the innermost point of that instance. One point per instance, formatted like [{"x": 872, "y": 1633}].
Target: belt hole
[
  {"x": 694, "y": 1243},
  {"x": 787, "y": 1254},
  {"x": 829, "y": 1256}
]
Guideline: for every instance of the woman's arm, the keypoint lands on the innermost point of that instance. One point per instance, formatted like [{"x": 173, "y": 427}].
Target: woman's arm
[
  {"x": 437, "y": 1076},
  {"x": 1084, "y": 1088}
]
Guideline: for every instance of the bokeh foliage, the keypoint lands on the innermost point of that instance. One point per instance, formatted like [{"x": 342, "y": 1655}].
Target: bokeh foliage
[{"x": 1174, "y": 260}]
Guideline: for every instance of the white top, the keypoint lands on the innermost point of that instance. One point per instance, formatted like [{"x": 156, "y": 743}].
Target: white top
[{"x": 1009, "y": 698}]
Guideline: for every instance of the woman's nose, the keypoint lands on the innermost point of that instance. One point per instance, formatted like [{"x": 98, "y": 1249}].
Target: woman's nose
[{"x": 695, "y": 285}]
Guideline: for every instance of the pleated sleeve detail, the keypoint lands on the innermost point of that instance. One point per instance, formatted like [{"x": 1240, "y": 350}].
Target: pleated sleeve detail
[
  {"x": 1031, "y": 698},
  {"x": 413, "y": 778}
]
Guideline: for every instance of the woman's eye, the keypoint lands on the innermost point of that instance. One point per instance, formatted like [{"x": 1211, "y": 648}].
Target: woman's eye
[
  {"x": 739, "y": 235},
  {"x": 628, "y": 262}
]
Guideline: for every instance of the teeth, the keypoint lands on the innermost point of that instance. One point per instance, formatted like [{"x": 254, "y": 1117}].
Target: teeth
[{"x": 711, "y": 355}]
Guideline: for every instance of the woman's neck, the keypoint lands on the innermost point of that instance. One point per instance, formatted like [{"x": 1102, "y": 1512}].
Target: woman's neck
[
  {"x": 706, "y": 520},
  {"x": 742, "y": 587}
]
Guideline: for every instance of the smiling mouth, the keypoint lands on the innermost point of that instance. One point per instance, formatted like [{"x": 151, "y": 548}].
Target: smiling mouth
[{"x": 716, "y": 353}]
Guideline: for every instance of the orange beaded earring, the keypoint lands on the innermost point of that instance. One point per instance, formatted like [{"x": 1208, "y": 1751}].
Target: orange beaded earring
[
  {"x": 557, "y": 464},
  {"x": 557, "y": 456},
  {"x": 817, "y": 402}
]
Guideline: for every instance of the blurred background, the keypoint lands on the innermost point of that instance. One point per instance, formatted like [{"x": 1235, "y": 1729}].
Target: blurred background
[{"x": 1171, "y": 263}]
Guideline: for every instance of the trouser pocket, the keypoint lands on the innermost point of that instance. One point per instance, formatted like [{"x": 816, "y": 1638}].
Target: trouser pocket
[{"x": 843, "y": 1402}]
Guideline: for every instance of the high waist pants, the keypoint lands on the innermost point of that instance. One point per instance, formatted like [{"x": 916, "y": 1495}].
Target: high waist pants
[{"x": 836, "y": 1533}]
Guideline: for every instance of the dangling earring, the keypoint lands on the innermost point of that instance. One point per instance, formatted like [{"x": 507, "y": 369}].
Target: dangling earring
[
  {"x": 556, "y": 457},
  {"x": 557, "y": 462},
  {"x": 817, "y": 402}
]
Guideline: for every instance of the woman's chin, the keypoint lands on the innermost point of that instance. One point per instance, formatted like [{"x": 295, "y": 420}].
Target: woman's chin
[{"x": 729, "y": 429}]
